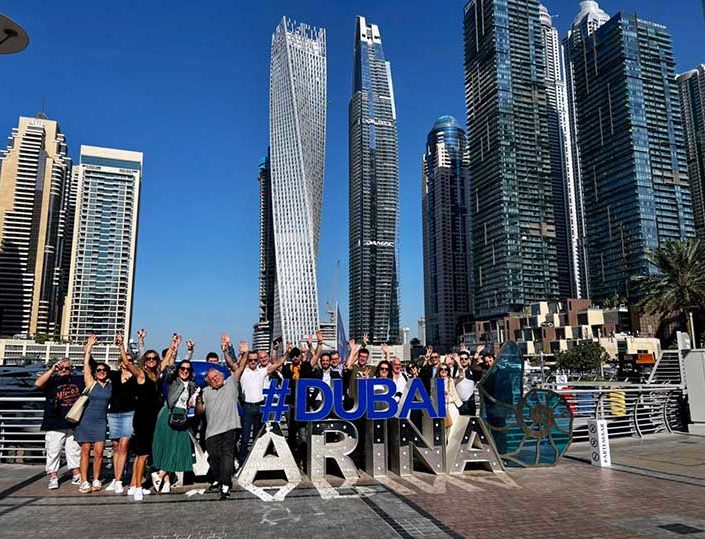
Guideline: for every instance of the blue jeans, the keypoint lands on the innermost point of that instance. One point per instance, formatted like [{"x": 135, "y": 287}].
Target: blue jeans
[{"x": 251, "y": 424}]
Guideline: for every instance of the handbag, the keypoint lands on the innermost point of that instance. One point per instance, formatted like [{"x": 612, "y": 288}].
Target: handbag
[
  {"x": 200, "y": 466},
  {"x": 178, "y": 419},
  {"x": 75, "y": 413}
]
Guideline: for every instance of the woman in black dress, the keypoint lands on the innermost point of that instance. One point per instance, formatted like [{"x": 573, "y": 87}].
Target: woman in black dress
[{"x": 148, "y": 406}]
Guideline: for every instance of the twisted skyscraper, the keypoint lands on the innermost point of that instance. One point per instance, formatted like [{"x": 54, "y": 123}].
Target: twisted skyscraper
[
  {"x": 297, "y": 133},
  {"x": 374, "y": 192}
]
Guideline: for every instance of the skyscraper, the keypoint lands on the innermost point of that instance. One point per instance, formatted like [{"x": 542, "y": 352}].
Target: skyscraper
[
  {"x": 297, "y": 133},
  {"x": 445, "y": 187},
  {"x": 267, "y": 262},
  {"x": 632, "y": 155},
  {"x": 35, "y": 199},
  {"x": 101, "y": 282},
  {"x": 692, "y": 92},
  {"x": 374, "y": 192},
  {"x": 511, "y": 198},
  {"x": 564, "y": 196},
  {"x": 589, "y": 19}
]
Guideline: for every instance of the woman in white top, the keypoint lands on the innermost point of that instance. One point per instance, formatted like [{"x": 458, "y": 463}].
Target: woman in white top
[{"x": 453, "y": 402}]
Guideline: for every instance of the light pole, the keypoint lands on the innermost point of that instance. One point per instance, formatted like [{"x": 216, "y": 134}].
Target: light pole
[{"x": 13, "y": 38}]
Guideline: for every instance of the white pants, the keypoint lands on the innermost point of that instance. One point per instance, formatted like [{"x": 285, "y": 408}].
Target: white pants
[{"x": 53, "y": 441}]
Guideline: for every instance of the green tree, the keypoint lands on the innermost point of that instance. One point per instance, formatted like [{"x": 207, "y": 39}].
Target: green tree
[
  {"x": 679, "y": 286},
  {"x": 584, "y": 358}
]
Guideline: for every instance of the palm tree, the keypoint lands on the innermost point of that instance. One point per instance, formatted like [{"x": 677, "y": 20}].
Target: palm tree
[{"x": 679, "y": 287}]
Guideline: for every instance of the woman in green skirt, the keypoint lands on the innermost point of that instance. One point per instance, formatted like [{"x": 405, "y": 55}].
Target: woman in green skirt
[{"x": 171, "y": 449}]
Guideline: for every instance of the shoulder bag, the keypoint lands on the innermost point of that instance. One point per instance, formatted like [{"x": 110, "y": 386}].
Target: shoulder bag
[{"x": 75, "y": 413}]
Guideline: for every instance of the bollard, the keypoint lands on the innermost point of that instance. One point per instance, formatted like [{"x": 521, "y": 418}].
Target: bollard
[{"x": 599, "y": 443}]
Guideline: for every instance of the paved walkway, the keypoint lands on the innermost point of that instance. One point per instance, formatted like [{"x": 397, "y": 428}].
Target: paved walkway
[{"x": 572, "y": 499}]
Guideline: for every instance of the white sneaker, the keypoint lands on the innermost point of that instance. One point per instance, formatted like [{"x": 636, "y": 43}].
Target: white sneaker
[
  {"x": 119, "y": 489},
  {"x": 76, "y": 480},
  {"x": 138, "y": 496},
  {"x": 111, "y": 486},
  {"x": 96, "y": 485},
  {"x": 156, "y": 481},
  {"x": 131, "y": 491},
  {"x": 166, "y": 487},
  {"x": 145, "y": 491},
  {"x": 85, "y": 487},
  {"x": 53, "y": 483}
]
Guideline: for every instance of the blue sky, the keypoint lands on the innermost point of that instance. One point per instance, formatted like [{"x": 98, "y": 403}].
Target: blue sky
[{"x": 187, "y": 84}]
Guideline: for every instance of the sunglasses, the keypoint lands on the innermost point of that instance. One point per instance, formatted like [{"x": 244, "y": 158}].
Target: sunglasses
[
  {"x": 383, "y": 369},
  {"x": 150, "y": 358},
  {"x": 443, "y": 370},
  {"x": 101, "y": 369},
  {"x": 253, "y": 360},
  {"x": 64, "y": 368},
  {"x": 185, "y": 369}
]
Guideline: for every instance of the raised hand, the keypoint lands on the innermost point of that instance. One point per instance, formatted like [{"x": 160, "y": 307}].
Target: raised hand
[
  {"x": 319, "y": 336},
  {"x": 365, "y": 339},
  {"x": 190, "y": 344},
  {"x": 429, "y": 350},
  {"x": 243, "y": 346},
  {"x": 289, "y": 346},
  {"x": 352, "y": 345},
  {"x": 385, "y": 349},
  {"x": 309, "y": 342},
  {"x": 175, "y": 341},
  {"x": 141, "y": 334},
  {"x": 224, "y": 342},
  {"x": 119, "y": 339},
  {"x": 91, "y": 342}
]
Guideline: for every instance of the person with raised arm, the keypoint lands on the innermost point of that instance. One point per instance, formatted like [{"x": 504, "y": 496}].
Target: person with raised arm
[
  {"x": 91, "y": 430},
  {"x": 171, "y": 449},
  {"x": 61, "y": 391},
  {"x": 121, "y": 411},
  {"x": 218, "y": 402},
  {"x": 251, "y": 377},
  {"x": 145, "y": 419}
]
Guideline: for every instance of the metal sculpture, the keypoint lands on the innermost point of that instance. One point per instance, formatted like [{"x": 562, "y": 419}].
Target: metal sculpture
[{"x": 529, "y": 430}]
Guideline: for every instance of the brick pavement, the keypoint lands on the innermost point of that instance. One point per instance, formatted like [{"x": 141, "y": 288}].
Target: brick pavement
[{"x": 570, "y": 500}]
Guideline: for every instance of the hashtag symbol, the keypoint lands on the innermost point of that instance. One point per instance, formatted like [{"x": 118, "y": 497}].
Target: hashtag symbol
[{"x": 275, "y": 403}]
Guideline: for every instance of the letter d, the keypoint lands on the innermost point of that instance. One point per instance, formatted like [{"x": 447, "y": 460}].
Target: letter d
[{"x": 302, "y": 389}]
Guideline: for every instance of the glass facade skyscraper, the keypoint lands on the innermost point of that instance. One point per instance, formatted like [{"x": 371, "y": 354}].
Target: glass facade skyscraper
[
  {"x": 262, "y": 336},
  {"x": 632, "y": 154},
  {"x": 512, "y": 192},
  {"x": 36, "y": 214},
  {"x": 374, "y": 192},
  {"x": 589, "y": 19},
  {"x": 101, "y": 283},
  {"x": 692, "y": 92},
  {"x": 445, "y": 188},
  {"x": 297, "y": 138},
  {"x": 565, "y": 200}
]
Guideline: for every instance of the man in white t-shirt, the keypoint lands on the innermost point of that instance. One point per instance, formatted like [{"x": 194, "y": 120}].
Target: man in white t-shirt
[{"x": 252, "y": 383}]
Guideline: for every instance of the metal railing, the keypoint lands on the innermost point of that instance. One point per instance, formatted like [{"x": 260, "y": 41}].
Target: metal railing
[
  {"x": 21, "y": 437},
  {"x": 629, "y": 409}
]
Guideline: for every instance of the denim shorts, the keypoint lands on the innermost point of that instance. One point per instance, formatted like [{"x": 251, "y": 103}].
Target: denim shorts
[{"x": 120, "y": 425}]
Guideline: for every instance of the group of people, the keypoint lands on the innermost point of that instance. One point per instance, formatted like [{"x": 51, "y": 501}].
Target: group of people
[{"x": 152, "y": 408}]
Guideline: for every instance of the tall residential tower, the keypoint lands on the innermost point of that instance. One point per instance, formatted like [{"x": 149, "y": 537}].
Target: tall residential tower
[
  {"x": 374, "y": 192},
  {"x": 35, "y": 202},
  {"x": 104, "y": 244},
  {"x": 565, "y": 200},
  {"x": 512, "y": 190},
  {"x": 692, "y": 91},
  {"x": 297, "y": 134},
  {"x": 445, "y": 186},
  {"x": 632, "y": 154}
]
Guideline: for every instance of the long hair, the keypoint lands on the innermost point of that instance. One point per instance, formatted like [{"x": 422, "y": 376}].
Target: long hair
[
  {"x": 190, "y": 376},
  {"x": 389, "y": 369},
  {"x": 143, "y": 366}
]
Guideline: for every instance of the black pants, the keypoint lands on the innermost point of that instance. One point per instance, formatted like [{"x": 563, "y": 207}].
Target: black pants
[
  {"x": 251, "y": 424},
  {"x": 221, "y": 455}
]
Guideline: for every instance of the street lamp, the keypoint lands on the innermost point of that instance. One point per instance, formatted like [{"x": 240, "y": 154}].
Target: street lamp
[{"x": 13, "y": 38}]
